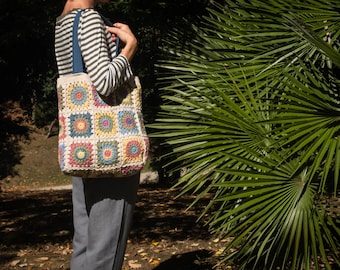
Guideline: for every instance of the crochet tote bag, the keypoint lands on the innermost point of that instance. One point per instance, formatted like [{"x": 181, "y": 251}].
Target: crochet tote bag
[{"x": 99, "y": 136}]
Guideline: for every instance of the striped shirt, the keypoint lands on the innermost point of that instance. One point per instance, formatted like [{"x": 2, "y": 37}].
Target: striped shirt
[{"x": 106, "y": 71}]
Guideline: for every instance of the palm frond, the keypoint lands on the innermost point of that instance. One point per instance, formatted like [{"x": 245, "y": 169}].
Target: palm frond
[{"x": 251, "y": 111}]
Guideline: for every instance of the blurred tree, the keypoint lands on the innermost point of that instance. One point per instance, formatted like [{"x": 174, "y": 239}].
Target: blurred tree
[{"x": 27, "y": 50}]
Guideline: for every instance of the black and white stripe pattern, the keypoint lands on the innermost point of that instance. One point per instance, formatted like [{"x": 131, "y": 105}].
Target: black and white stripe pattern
[{"x": 106, "y": 71}]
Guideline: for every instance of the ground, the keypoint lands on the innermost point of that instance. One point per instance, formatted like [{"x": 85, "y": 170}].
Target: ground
[
  {"x": 36, "y": 221},
  {"x": 36, "y": 230}
]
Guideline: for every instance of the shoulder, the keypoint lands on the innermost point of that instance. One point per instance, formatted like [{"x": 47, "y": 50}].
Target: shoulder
[
  {"x": 91, "y": 16},
  {"x": 87, "y": 15}
]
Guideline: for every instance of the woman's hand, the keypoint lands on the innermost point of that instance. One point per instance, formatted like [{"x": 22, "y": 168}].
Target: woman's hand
[{"x": 126, "y": 36}]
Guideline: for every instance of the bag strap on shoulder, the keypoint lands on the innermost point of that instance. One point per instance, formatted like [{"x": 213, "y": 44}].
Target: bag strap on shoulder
[{"x": 77, "y": 60}]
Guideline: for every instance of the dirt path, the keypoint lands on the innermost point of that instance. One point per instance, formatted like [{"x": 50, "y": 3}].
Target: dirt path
[{"x": 36, "y": 231}]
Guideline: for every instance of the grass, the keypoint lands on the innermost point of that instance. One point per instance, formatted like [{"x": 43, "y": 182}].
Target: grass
[{"x": 38, "y": 166}]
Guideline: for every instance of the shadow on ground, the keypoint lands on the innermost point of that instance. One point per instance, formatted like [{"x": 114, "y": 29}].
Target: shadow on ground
[
  {"x": 189, "y": 260},
  {"x": 33, "y": 219}
]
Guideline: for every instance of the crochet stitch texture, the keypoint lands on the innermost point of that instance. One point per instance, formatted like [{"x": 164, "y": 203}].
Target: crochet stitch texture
[{"x": 97, "y": 135}]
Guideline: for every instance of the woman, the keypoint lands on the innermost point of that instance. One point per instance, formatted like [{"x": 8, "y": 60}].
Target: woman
[{"x": 102, "y": 207}]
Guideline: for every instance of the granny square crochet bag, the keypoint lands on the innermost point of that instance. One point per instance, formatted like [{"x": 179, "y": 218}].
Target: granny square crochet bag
[{"x": 99, "y": 136}]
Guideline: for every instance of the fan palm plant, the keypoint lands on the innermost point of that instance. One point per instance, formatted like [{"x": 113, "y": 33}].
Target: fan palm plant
[{"x": 252, "y": 111}]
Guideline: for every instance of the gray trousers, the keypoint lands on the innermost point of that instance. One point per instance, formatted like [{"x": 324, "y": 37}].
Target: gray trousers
[{"x": 102, "y": 215}]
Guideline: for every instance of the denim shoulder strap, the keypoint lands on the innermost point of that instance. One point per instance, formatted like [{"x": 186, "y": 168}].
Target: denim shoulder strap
[{"x": 77, "y": 60}]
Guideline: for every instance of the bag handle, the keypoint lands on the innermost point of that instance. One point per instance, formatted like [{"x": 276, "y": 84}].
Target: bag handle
[{"x": 77, "y": 60}]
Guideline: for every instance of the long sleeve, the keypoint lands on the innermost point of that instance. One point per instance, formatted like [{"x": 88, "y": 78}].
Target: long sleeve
[{"x": 106, "y": 71}]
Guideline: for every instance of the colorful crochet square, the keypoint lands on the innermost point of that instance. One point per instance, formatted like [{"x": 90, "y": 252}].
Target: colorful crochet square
[
  {"x": 127, "y": 122},
  {"x": 132, "y": 150},
  {"x": 80, "y": 125},
  {"x": 105, "y": 124},
  {"x": 81, "y": 155},
  {"x": 62, "y": 130},
  {"x": 97, "y": 100},
  {"x": 107, "y": 153},
  {"x": 78, "y": 95},
  {"x": 61, "y": 155}
]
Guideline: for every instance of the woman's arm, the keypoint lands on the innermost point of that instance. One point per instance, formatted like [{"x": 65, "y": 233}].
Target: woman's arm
[
  {"x": 125, "y": 35},
  {"x": 95, "y": 40}
]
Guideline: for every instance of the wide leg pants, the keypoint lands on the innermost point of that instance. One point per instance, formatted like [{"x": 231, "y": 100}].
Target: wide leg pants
[{"x": 102, "y": 216}]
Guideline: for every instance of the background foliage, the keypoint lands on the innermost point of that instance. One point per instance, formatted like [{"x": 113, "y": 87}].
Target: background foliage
[
  {"x": 250, "y": 109},
  {"x": 27, "y": 61}
]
